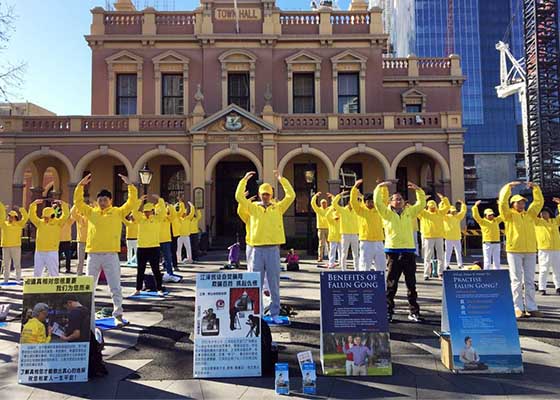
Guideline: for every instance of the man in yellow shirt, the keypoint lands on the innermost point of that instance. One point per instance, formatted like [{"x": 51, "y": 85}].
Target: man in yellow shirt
[
  {"x": 81, "y": 238},
  {"x": 322, "y": 225},
  {"x": 184, "y": 241},
  {"x": 104, "y": 238},
  {"x": 131, "y": 235},
  {"x": 47, "y": 238},
  {"x": 371, "y": 231},
  {"x": 267, "y": 232},
  {"x": 166, "y": 243},
  {"x": 398, "y": 220},
  {"x": 348, "y": 231},
  {"x": 521, "y": 245},
  {"x": 548, "y": 245},
  {"x": 35, "y": 331},
  {"x": 11, "y": 240},
  {"x": 452, "y": 234},
  {"x": 490, "y": 227},
  {"x": 431, "y": 226},
  {"x": 149, "y": 228}
]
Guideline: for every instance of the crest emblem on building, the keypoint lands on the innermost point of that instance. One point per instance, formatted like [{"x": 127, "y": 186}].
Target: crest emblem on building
[{"x": 233, "y": 122}]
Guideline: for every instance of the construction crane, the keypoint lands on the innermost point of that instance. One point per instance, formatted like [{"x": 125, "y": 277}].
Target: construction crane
[
  {"x": 538, "y": 87},
  {"x": 513, "y": 81}
]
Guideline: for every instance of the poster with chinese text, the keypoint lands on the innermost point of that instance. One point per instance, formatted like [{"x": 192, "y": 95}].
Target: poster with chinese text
[
  {"x": 481, "y": 321},
  {"x": 227, "y": 325},
  {"x": 354, "y": 327},
  {"x": 55, "y": 330}
]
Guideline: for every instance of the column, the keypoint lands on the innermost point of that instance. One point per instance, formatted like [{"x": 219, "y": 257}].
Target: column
[
  {"x": 334, "y": 186},
  {"x": 270, "y": 162},
  {"x": 198, "y": 171},
  {"x": 17, "y": 194}
]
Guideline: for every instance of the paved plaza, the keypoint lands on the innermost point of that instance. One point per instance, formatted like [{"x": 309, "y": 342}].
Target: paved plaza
[{"x": 152, "y": 357}]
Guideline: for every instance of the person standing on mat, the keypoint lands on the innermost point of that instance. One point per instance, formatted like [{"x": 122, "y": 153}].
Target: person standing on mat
[
  {"x": 194, "y": 234},
  {"x": 184, "y": 240},
  {"x": 548, "y": 245},
  {"x": 431, "y": 222},
  {"x": 175, "y": 232},
  {"x": 47, "y": 237},
  {"x": 104, "y": 239},
  {"x": 131, "y": 235},
  {"x": 11, "y": 240},
  {"x": 452, "y": 234},
  {"x": 81, "y": 238},
  {"x": 348, "y": 231},
  {"x": 490, "y": 227},
  {"x": 267, "y": 233},
  {"x": 521, "y": 245},
  {"x": 334, "y": 236},
  {"x": 65, "y": 245},
  {"x": 149, "y": 227},
  {"x": 322, "y": 225},
  {"x": 165, "y": 243},
  {"x": 398, "y": 222},
  {"x": 371, "y": 231}
]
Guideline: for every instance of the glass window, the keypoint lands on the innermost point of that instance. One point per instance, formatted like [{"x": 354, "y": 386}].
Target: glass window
[
  {"x": 238, "y": 89},
  {"x": 414, "y": 108},
  {"x": 348, "y": 93},
  {"x": 126, "y": 94},
  {"x": 302, "y": 188},
  {"x": 304, "y": 93},
  {"x": 172, "y": 94},
  {"x": 172, "y": 182}
]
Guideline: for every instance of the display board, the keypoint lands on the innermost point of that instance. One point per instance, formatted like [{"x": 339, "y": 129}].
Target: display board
[
  {"x": 56, "y": 327},
  {"x": 478, "y": 316},
  {"x": 354, "y": 326},
  {"x": 227, "y": 325}
]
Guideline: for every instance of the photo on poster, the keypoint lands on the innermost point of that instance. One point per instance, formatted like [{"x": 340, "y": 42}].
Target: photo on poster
[
  {"x": 55, "y": 330},
  {"x": 309, "y": 378},
  {"x": 356, "y": 354},
  {"x": 282, "y": 378}
]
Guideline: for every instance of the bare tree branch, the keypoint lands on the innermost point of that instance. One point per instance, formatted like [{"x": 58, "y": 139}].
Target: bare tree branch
[{"x": 11, "y": 75}]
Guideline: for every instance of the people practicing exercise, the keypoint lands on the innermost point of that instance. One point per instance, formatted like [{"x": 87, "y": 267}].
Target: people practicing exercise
[
  {"x": 371, "y": 231},
  {"x": 81, "y": 238},
  {"x": 333, "y": 220},
  {"x": 184, "y": 241},
  {"x": 47, "y": 238},
  {"x": 452, "y": 234},
  {"x": 490, "y": 228},
  {"x": 521, "y": 245},
  {"x": 12, "y": 226},
  {"x": 431, "y": 226},
  {"x": 399, "y": 244},
  {"x": 348, "y": 231},
  {"x": 65, "y": 245},
  {"x": 165, "y": 243},
  {"x": 104, "y": 239},
  {"x": 267, "y": 232},
  {"x": 322, "y": 225},
  {"x": 131, "y": 236},
  {"x": 548, "y": 246}
]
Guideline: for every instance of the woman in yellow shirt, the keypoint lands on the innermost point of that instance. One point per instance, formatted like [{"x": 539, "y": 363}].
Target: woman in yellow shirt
[
  {"x": 548, "y": 245},
  {"x": 11, "y": 240},
  {"x": 34, "y": 331}
]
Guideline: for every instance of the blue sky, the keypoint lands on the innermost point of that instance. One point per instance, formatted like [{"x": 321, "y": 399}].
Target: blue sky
[{"x": 49, "y": 37}]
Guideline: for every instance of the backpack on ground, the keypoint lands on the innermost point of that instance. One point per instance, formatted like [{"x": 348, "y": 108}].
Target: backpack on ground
[
  {"x": 96, "y": 366},
  {"x": 269, "y": 355}
]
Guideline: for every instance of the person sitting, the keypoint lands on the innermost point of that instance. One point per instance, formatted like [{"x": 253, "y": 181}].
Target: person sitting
[
  {"x": 292, "y": 261},
  {"x": 470, "y": 358}
]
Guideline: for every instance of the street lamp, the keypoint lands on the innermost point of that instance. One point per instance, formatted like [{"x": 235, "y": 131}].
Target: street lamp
[
  {"x": 146, "y": 176},
  {"x": 309, "y": 180}
]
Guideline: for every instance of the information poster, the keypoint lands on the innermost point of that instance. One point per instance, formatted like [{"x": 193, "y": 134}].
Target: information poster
[
  {"x": 354, "y": 327},
  {"x": 56, "y": 323},
  {"x": 227, "y": 325},
  {"x": 479, "y": 317}
]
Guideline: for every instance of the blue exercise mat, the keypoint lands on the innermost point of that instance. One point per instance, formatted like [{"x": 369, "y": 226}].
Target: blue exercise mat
[
  {"x": 108, "y": 323},
  {"x": 148, "y": 295},
  {"x": 285, "y": 278},
  {"x": 129, "y": 265},
  {"x": 10, "y": 283},
  {"x": 2, "y": 324},
  {"x": 269, "y": 321}
]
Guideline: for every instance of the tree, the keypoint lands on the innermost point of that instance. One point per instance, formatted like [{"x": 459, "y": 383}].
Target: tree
[{"x": 11, "y": 75}]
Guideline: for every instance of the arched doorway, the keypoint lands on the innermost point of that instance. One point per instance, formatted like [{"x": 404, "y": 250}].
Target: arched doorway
[
  {"x": 226, "y": 225},
  {"x": 423, "y": 170},
  {"x": 45, "y": 177}
]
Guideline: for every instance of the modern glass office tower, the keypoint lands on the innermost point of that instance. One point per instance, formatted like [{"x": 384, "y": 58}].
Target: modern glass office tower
[{"x": 492, "y": 141}]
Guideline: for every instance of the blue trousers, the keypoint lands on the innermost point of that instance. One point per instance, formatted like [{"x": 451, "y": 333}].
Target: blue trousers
[
  {"x": 167, "y": 257},
  {"x": 266, "y": 260}
]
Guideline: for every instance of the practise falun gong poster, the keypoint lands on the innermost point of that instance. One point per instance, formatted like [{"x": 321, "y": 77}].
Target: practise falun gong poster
[
  {"x": 478, "y": 315},
  {"x": 55, "y": 330},
  {"x": 354, "y": 327},
  {"x": 227, "y": 327}
]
